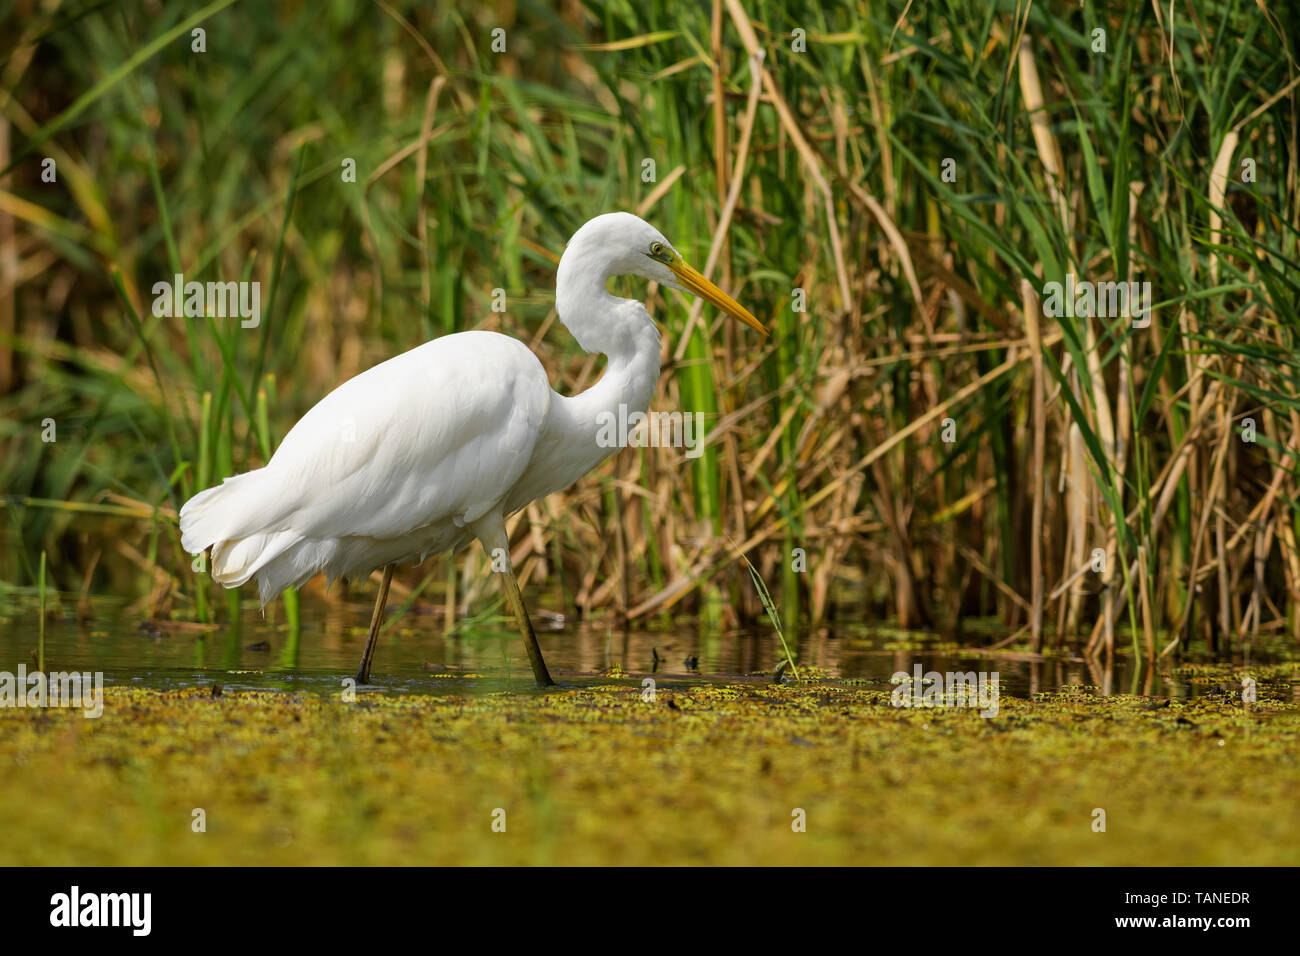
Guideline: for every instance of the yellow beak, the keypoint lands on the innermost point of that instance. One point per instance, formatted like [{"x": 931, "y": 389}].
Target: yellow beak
[{"x": 695, "y": 283}]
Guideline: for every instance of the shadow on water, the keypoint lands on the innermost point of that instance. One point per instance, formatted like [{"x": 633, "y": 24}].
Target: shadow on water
[{"x": 416, "y": 656}]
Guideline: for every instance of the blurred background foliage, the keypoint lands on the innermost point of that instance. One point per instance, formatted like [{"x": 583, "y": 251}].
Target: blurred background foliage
[{"x": 1108, "y": 141}]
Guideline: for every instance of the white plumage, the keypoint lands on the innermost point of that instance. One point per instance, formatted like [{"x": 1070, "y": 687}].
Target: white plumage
[
  {"x": 391, "y": 466},
  {"x": 436, "y": 446}
]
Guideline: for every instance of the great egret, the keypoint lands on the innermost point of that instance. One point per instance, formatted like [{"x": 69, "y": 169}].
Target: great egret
[{"x": 438, "y": 445}]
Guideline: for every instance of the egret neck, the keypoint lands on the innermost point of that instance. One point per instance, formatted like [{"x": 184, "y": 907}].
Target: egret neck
[{"x": 622, "y": 331}]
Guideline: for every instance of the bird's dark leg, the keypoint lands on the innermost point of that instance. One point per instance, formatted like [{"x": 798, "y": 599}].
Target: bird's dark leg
[
  {"x": 540, "y": 673},
  {"x": 377, "y": 618}
]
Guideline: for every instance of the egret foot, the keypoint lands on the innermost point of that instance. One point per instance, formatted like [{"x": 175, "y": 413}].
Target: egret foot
[
  {"x": 376, "y": 619},
  {"x": 540, "y": 673}
]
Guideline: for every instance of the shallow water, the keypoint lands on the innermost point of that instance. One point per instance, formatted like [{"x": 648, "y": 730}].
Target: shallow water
[{"x": 414, "y": 655}]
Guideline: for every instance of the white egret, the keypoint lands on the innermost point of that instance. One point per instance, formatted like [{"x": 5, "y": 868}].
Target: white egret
[{"x": 423, "y": 452}]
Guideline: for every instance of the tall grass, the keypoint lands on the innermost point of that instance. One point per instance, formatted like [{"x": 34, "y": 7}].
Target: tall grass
[
  {"x": 918, "y": 175},
  {"x": 40, "y": 628}
]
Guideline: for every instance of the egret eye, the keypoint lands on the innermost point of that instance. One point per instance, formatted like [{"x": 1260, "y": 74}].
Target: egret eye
[{"x": 656, "y": 249}]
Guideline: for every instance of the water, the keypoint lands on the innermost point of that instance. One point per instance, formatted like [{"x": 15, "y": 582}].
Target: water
[{"x": 414, "y": 655}]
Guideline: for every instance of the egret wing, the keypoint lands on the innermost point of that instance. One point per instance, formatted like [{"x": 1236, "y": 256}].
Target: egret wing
[{"x": 440, "y": 433}]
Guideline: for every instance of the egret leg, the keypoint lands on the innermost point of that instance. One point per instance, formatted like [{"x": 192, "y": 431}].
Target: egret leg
[
  {"x": 540, "y": 673},
  {"x": 377, "y": 618}
]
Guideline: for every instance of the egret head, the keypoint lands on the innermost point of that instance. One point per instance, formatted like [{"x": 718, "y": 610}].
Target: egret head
[{"x": 619, "y": 243}]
